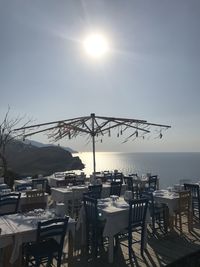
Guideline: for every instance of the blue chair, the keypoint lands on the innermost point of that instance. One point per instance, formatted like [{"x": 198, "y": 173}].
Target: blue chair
[
  {"x": 159, "y": 213},
  {"x": 115, "y": 188},
  {"x": 48, "y": 245},
  {"x": 9, "y": 203},
  {"x": 23, "y": 187},
  {"x": 41, "y": 184},
  {"x": 95, "y": 191},
  {"x": 137, "y": 218},
  {"x": 152, "y": 183},
  {"x": 131, "y": 186},
  {"x": 195, "y": 194},
  {"x": 118, "y": 177},
  {"x": 94, "y": 226},
  {"x": 136, "y": 223}
]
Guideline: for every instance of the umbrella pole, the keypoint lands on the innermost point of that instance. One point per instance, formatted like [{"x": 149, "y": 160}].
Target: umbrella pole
[
  {"x": 94, "y": 161},
  {"x": 93, "y": 143}
]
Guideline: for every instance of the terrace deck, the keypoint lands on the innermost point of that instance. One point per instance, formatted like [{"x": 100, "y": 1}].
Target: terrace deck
[{"x": 161, "y": 251}]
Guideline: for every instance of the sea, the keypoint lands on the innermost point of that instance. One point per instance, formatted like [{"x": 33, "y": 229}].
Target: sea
[{"x": 170, "y": 167}]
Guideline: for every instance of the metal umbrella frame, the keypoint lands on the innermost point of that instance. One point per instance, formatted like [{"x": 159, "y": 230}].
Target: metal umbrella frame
[{"x": 93, "y": 125}]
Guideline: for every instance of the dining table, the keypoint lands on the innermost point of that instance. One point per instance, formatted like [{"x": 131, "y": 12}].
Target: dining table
[
  {"x": 66, "y": 194},
  {"x": 20, "y": 228},
  {"x": 170, "y": 198},
  {"x": 116, "y": 214}
]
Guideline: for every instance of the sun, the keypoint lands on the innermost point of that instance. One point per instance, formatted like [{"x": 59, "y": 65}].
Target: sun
[{"x": 96, "y": 45}]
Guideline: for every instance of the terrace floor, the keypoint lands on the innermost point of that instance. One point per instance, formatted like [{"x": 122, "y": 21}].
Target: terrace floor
[{"x": 161, "y": 251}]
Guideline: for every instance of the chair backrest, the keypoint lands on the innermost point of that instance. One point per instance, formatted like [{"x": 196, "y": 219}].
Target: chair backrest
[
  {"x": 40, "y": 184},
  {"x": 115, "y": 188},
  {"x": 118, "y": 177},
  {"x": 153, "y": 181},
  {"x": 137, "y": 212},
  {"x": 54, "y": 228},
  {"x": 91, "y": 211},
  {"x": 129, "y": 182},
  {"x": 35, "y": 199},
  {"x": 95, "y": 190},
  {"x": 194, "y": 189},
  {"x": 62, "y": 183},
  {"x": 184, "y": 201},
  {"x": 35, "y": 193},
  {"x": 23, "y": 187},
  {"x": 9, "y": 203}
]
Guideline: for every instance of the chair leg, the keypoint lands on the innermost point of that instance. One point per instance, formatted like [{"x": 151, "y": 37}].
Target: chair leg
[
  {"x": 180, "y": 222},
  {"x": 142, "y": 242},
  {"x": 130, "y": 246}
]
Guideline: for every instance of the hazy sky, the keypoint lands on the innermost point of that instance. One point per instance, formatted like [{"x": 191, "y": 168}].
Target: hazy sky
[{"x": 151, "y": 72}]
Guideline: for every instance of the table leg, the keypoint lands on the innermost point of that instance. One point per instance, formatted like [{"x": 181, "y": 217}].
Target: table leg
[
  {"x": 70, "y": 249},
  {"x": 110, "y": 249}
]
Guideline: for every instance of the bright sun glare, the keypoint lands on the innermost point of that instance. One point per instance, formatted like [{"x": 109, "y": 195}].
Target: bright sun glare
[{"x": 96, "y": 45}]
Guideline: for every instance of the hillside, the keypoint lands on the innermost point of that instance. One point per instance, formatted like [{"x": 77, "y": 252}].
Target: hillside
[
  {"x": 28, "y": 160},
  {"x": 39, "y": 144}
]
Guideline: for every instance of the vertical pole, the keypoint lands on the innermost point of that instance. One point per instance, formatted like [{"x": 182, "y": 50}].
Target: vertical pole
[{"x": 93, "y": 143}]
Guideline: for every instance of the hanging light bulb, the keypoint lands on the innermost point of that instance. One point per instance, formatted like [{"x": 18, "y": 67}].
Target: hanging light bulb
[
  {"x": 136, "y": 133},
  {"x": 161, "y": 135},
  {"x": 101, "y": 141},
  {"x": 117, "y": 134},
  {"x": 69, "y": 134},
  {"x": 23, "y": 138},
  {"x": 109, "y": 134}
]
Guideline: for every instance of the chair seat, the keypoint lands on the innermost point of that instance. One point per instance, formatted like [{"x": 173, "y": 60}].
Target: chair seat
[{"x": 42, "y": 249}]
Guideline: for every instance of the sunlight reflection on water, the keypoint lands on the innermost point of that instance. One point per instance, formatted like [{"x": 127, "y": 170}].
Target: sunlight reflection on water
[{"x": 171, "y": 167}]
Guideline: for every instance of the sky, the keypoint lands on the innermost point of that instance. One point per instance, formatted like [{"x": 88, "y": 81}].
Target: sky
[{"x": 151, "y": 71}]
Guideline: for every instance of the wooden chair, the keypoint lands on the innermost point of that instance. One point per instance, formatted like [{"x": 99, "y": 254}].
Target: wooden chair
[
  {"x": 184, "y": 209},
  {"x": 94, "y": 226},
  {"x": 195, "y": 194},
  {"x": 41, "y": 184},
  {"x": 131, "y": 186},
  {"x": 49, "y": 243},
  {"x": 62, "y": 183},
  {"x": 115, "y": 188},
  {"x": 136, "y": 223},
  {"x": 9, "y": 203},
  {"x": 95, "y": 191},
  {"x": 153, "y": 183},
  {"x": 34, "y": 200}
]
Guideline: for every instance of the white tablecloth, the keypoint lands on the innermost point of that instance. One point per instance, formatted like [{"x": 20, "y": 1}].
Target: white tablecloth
[
  {"x": 116, "y": 221},
  {"x": 168, "y": 198},
  {"x": 64, "y": 194},
  {"x": 18, "y": 228}
]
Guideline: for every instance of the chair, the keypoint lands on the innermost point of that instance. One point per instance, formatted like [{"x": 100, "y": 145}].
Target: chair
[
  {"x": 34, "y": 200},
  {"x": 136, "y": 223},
  {"x": 195, "y": 194},
  {"x": 94, "y": 225},
  {"x": 159, "y": 213},
  {"x": 75, "y": 203},
  {"x": 23, "y": 187},
  {"x": 41, "y": 184},
  {"x": 48, "y": 245},
  {"x": 184, "y": 208},
  {"x": 9, "y": 203},
  {"x": 152, "y": 183},
  {"x": 118, "y": 177},
  {"x": 62, "y": 183},
  {"x": 95, "y": 191},
  {"x": 115, "y": 188},
  {"x": 131, "y": 186}
]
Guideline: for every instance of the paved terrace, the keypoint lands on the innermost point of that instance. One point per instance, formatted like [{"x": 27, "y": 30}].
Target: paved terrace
[{"x": 161, "y": 251}]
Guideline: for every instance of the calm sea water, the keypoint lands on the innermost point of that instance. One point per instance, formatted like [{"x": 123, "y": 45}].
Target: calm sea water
[{"x": 171, "y": 167}]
